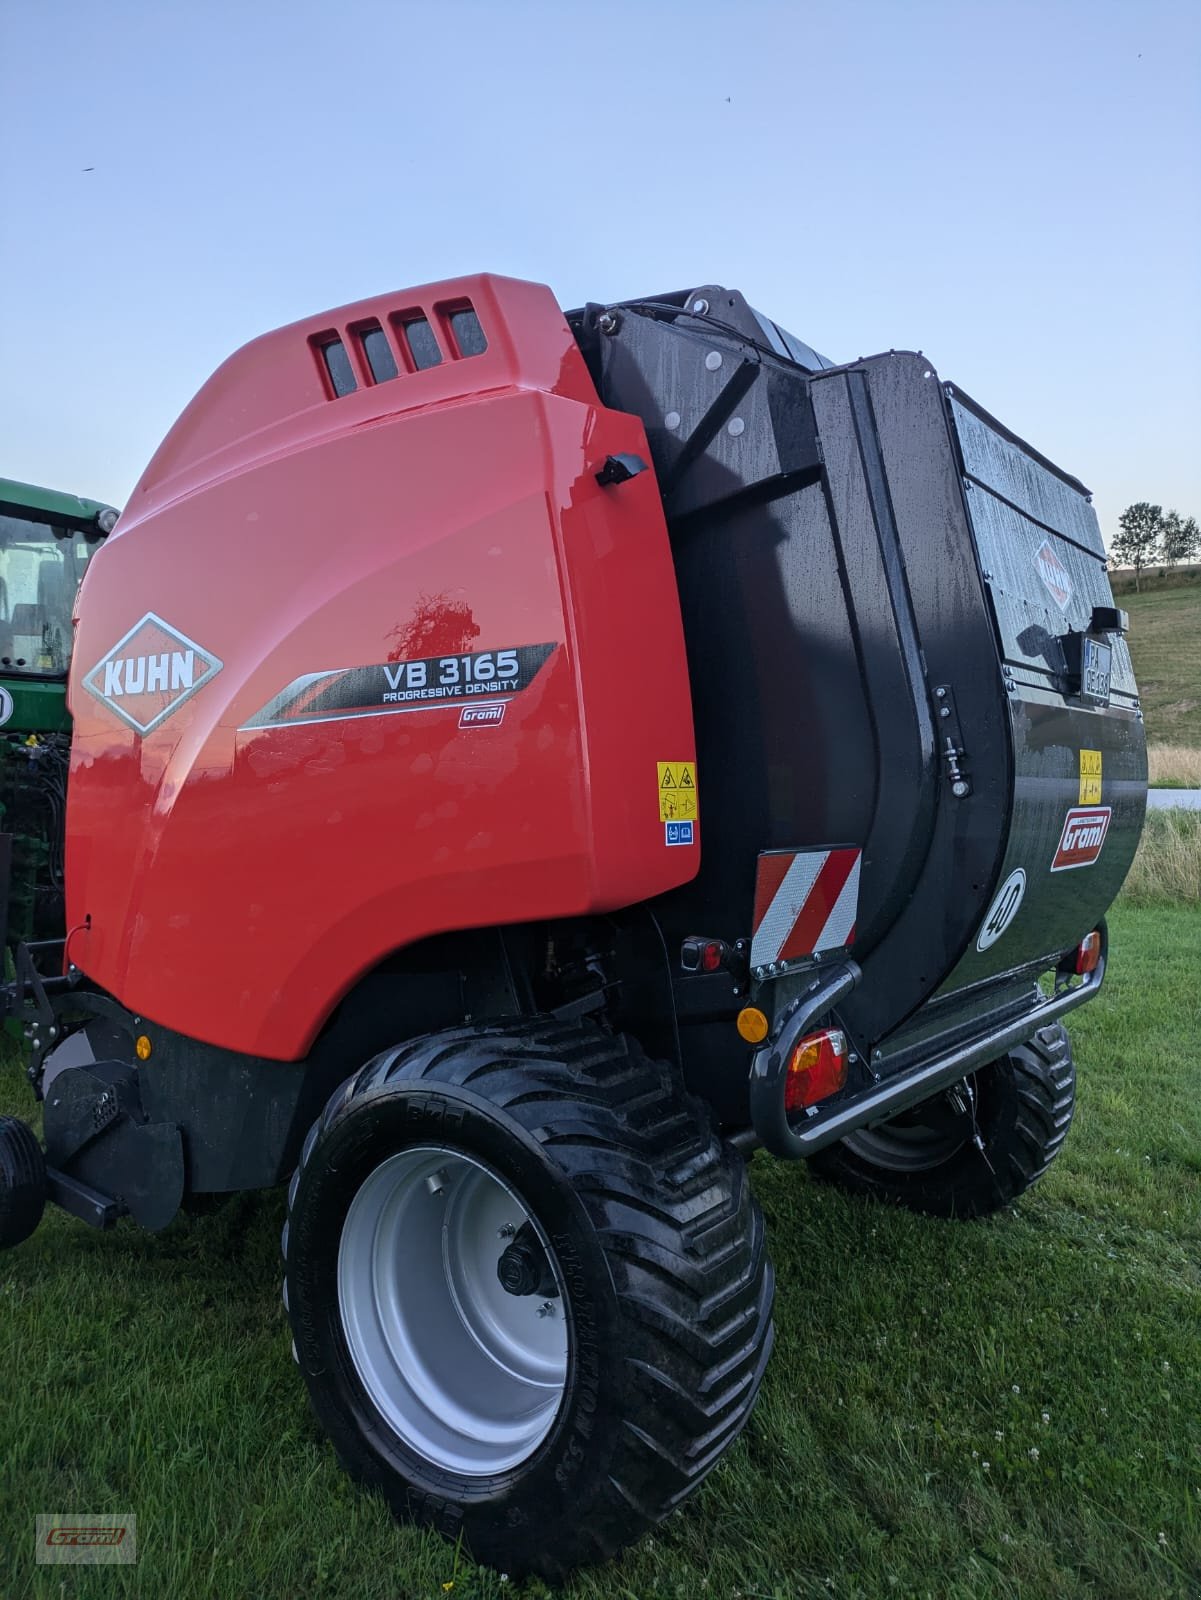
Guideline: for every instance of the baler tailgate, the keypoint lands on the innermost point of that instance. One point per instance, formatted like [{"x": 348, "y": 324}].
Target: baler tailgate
[{"x": 1040, "y": 549}]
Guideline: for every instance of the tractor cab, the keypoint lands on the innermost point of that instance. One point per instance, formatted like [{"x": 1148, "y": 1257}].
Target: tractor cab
[{"x": 46, "y": 542}]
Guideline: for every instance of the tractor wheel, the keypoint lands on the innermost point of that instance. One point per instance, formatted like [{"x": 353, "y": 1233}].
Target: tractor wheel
[
  {"x": 528, "y": 1289},
  {"x": 971, "y": 1149},
  {"x": 22, "y": 1181}
]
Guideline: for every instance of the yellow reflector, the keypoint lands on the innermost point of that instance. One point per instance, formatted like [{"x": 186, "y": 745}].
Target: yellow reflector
[
  {"x": 753, "y": 1025},
  {"x": 143, "y": 1047}
]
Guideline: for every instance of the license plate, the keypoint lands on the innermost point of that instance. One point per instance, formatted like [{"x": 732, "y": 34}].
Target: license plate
[{"x": 1094, "y": 678}]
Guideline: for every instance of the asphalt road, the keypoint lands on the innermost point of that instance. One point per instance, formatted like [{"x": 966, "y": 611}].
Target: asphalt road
[{"x": 1190, "y": 799}]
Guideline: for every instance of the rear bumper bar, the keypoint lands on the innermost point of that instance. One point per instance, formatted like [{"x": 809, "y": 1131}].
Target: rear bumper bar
[{"x": 882, "y": 1101}]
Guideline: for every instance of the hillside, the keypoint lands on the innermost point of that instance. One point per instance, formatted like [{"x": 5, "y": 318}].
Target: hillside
[{"x": 1165, "y": 643}]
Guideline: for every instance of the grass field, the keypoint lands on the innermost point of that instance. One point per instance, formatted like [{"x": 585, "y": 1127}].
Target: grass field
[
  {"x": 1008, "y": 1409},
  {"x": 1165, "y": 644},
  {"x": 1174, "y": 766},
  {"x": 1167, "y": 865}
]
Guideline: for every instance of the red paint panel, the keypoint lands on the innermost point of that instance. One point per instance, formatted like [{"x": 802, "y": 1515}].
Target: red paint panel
[{"x": 238, "y": 879}]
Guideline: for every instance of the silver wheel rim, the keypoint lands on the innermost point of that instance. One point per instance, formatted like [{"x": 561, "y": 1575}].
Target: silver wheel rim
[
  {"x": 466, "y": 1374},
  {"x": 923, "y": 1138}
]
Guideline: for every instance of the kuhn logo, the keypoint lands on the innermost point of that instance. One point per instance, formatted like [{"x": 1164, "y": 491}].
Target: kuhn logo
[
  {"x": 475, "y": 716},
  {"x": 90, "y": 1537},
  {"x": 150, "y": 673},
  {"x": 1084, "y": 831},
  {"x": 1054, "y": 574}
]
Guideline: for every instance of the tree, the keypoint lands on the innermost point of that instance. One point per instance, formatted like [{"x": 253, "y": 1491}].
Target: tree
[
  {"x": 1141, "y": 529},
  {"x": 1181, "y": 538}
]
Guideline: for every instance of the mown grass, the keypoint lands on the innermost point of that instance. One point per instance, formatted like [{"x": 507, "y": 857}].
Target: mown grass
[
  {"x": 1165, "y": 646},
  {"x": 1008, "y": 1409}
]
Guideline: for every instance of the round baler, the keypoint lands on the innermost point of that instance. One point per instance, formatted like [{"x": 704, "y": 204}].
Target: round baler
[{"x": 523, "y": 763}]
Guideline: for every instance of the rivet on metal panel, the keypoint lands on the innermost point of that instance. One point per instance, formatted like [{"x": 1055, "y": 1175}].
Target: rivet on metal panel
[
  {"x": 672, "y": 419},
  {"x": 700, "y": 306},
  {"x": 713, "y": 360},
  {"x": 735, "y": 426},
  {"x": 960, "y": 790},
  {"x": 941, "y": 691},
  {"x": 944, "y": 711}
]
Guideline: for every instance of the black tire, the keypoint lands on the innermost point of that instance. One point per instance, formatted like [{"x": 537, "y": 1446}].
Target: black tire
[
  {"x": 929, "y": 1160},
  {"x": 22, "y": 1182},
  {"x": 668, "y": 1288}
]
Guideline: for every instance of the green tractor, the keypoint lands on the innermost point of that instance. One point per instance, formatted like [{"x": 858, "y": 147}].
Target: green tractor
[{"x": 46, "y": 541}]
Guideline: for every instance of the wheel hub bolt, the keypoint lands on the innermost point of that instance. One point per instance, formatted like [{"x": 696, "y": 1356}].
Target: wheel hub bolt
[
  {"x": 546, "y": 1309},
  {"x": 437, "y": 1181}
]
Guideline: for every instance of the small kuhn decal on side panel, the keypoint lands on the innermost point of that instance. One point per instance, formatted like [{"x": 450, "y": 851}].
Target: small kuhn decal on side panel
[
  {"x": 1084, "y": 831},
  {"x": 1054, "y": 574},
  {"x": 150, "y": 672},
  {"x": 477, "y": 678},
  {"x": 805, "y": 901}
]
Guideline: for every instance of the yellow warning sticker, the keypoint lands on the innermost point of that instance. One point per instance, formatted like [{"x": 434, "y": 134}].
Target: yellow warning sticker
[
  {"x": 677, "y": 791},
  {"x": 1090, "y": 778}
]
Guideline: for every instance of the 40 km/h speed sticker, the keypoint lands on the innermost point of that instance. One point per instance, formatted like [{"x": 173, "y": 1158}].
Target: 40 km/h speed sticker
[
  {"x": 677, "y": 791},
  {"x": 1003, "y": 909}
]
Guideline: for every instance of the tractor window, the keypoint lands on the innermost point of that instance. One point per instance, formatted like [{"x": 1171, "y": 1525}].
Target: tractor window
[{"x": 41, "y": 565}]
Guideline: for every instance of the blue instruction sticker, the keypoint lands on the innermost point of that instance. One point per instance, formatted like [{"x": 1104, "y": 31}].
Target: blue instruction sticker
[{"x": 678, "y": 832}]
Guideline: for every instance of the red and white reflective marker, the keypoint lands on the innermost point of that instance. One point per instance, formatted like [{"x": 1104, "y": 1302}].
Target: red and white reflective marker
[{"x": 805, "y": 901}]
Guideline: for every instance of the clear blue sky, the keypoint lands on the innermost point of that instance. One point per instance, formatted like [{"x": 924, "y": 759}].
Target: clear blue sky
[{"x": 1013, "y": 188}]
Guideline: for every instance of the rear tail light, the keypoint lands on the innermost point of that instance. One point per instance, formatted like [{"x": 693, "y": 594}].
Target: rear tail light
[
  {"x": 818, "y": 1068},
  {"x": 705, "y": 955},
  {"x": 1088, "y": 953}
]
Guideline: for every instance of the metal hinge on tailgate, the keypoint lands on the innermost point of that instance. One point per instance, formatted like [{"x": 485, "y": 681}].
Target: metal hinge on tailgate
[{"x": 950, "y": 742}]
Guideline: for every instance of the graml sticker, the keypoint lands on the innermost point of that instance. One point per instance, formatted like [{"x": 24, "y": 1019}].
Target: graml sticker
[
  {"x": 677, "y": 791},
  {"x": 1004, "y": 908},
  {"x": 1054, "y": 574},
  {"x": 6, "y": 706},
  {"x": 677, "y": 832},
  {"x": 1084, "y": 831},
  {"x": 483, "y": 716},
  {"x": 1090, "y": 778}
]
